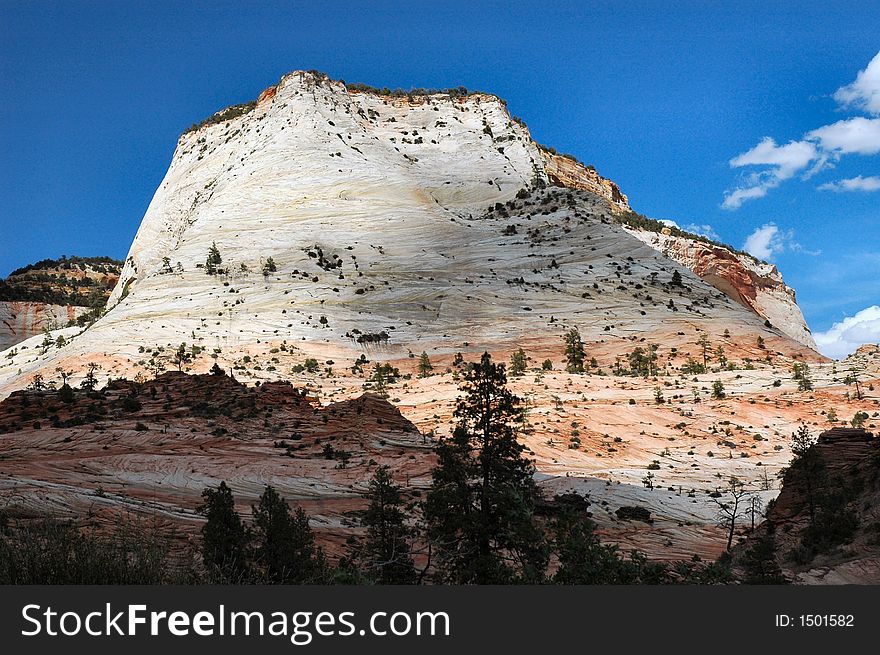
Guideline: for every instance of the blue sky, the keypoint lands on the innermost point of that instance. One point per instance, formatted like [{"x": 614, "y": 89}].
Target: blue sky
[{"x": 661, "y": 97}]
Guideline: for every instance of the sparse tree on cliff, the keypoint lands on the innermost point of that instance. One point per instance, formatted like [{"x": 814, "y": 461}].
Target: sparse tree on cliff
[
  {"x": 704, "y": 344},
  {"x": 853, "y": 378},
  {"x": 801, "y": 372},
  {"x": 91, "y": 380},
  {"x": 212, "y": 263},
  {"x": 518, "y": 363},
  {"x": 425, "y": 366},
  {"x": 388, "y": 548},
  {"x": 269, "y": 267},
  {"x": 224, "y": 536},
  {"x": 574, "y": 351},
  {"x": 181, "y": 357},
  {"x": 858, "y": 419},
  {"x": 730, "y": 511},
  {"x": 480, "y": 508},
  {"x": 65, "y": 375}
]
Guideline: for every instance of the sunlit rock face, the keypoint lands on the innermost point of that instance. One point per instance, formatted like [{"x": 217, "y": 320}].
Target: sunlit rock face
[
  {"x": 754, "y": 284},
  {"x": 346, "y": 220}
]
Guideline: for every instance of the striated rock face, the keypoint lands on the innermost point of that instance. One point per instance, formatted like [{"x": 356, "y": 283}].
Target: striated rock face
[
  {"x": 23, "y": 320},
  {"x": 50, "y": 293},
  {"x": 153, "y": 447},
  {"x": 394, "y": 224},
  {"x": 843, "y": 479},
  {"x": 566, "y": 172},
  {"x": 755, "y": 285}
]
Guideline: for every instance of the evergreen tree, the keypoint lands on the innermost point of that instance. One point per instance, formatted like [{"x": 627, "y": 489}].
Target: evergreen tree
[
  {"x": 759, "y": 562},
  {"x": 285, "y": 543},
  {"x": 574, "y": 351},
  {"x": 704, "y": 344},
  {"x": 718, "y": 390},
  {"x": 90, "y": 381},
  {"x": 212, "y": 263},
  {"x": 181, "y": 357},
  {"x": 806, "y": 461},
  {"x": 388, "y": 549},
  {"x": 584, "y": 560},
  {"x": 800, "y": 371},
  {"x": 518, "y": 363},
  {"x": 224, "y": 537},
  {"x": 425, "y": 366},
  {"x": 676, "y": 279},
  {"x": 480, "y": 507},
  {"x": 643, "y": 362}
]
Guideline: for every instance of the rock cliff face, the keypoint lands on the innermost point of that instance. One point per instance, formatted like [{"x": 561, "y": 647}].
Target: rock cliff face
[
  {"x": 216, "y": 428},
  {"x": 566, "y": 172},
  {"x": 301, "y": 240},
  {"x": 755, "y": 285},
  {"x": 824, "y": 524},
  {"x": 345, "y": 219},
  {"x": 22, "y": 320},
  {"x": 51, "y": 293}
]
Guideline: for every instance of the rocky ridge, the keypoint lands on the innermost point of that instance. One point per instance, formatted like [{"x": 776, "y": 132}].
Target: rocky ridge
[
  {"x": 755, "y": 285},
  {"x": 52, "y": 293}
]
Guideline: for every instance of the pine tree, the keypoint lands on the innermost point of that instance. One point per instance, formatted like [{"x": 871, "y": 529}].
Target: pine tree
[
  {"x": 224, "y": 537},
  {"x": 285, "y": 543},
  {"x": 584, "y": 560},
  {"x": 480, "y": 507},
  {"x": 574, "y": 351},
  {"x": 181, "y": 357},
  {"x": 518, "y": 363},
  {"x": 212, "y": 263},
  {"x": 759, "y": 561},
  {"x": 388, "y": 549},
  {"x": 90, "y": 381},
  {"x": 676, "y": 279},
  {"x": 425, "y": 366},
  {"x": 801, "y": 372},
  {"x": 704, "y": 344}
]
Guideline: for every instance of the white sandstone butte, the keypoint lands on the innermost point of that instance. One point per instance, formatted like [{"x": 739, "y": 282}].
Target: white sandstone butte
[{"x": 375, "y": 210}]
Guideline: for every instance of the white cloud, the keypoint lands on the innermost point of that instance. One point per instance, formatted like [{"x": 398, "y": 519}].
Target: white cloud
[
  {"x": 784, "y": 162},
  {"x": 766, "y": 241},
  {"x": 818, "y": 148},
  {"x": 857, "y": 183},
  {"x": 853, "y": 331},
  {"x": 864, "y": 93},
  {"x": 857, "y": 135},
  {"x": 788, "y": 159},
  {"x": 734, "y": 199},
  {"x": 705, "y": 230}
]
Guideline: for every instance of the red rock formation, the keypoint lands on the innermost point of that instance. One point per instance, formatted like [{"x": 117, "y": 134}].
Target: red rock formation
[
  {"x": 847, "y": 472},
  {"x": 755, "y": 285},
  {"x": 23, "y": 320},
  {"x": 565, "y": 172},
  {"x": 152, "y": 447},
  {"x": 267, "y": 94}
]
